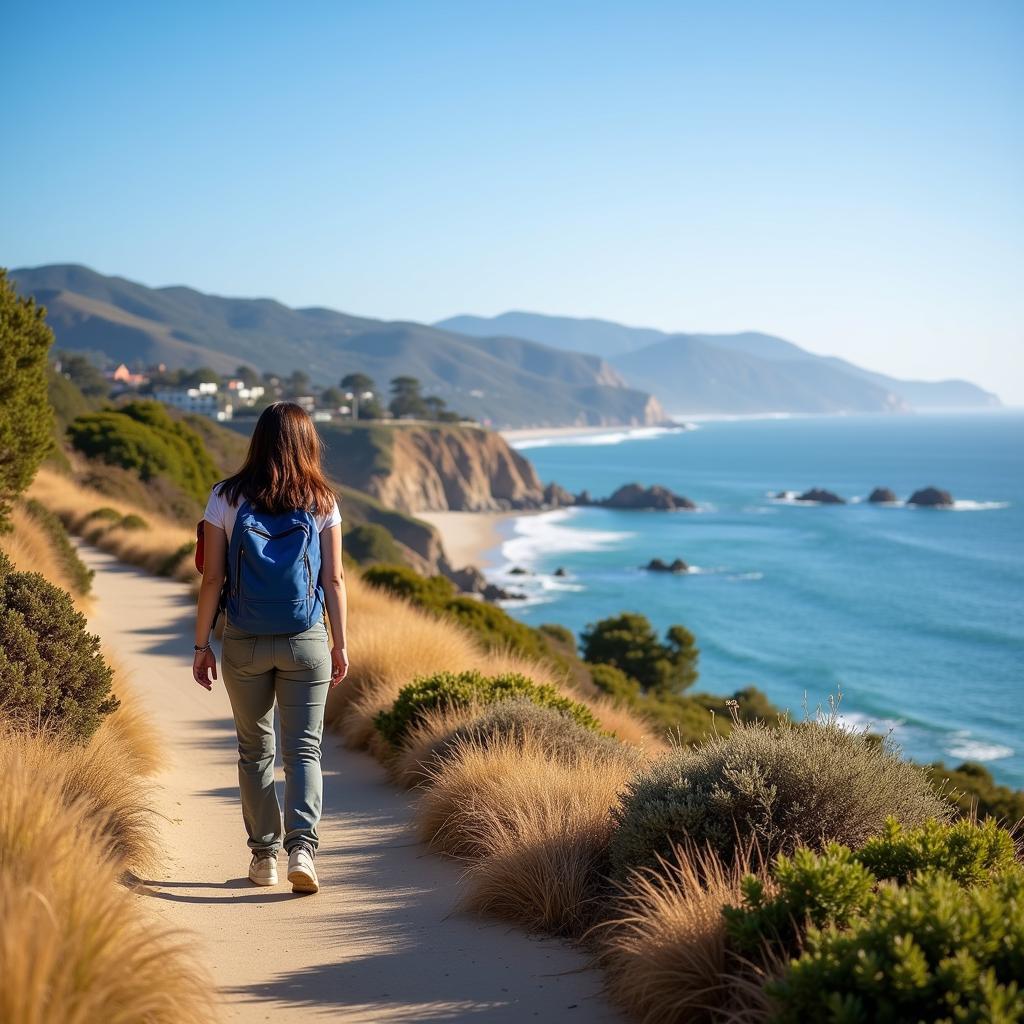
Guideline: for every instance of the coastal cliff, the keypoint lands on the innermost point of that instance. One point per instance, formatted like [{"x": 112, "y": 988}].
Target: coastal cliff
[{"x": 420, "y": 467}]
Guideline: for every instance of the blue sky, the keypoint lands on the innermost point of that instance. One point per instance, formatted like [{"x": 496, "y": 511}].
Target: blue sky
[{"x": 847, "y": 175}]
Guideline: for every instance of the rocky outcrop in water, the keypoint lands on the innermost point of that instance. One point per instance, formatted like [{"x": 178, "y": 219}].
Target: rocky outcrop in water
[
  {"x": 660, "y": 565},
  {"x": 556, "y": 496},
  {"x": 635, "y": 496},
  {"x": 882, "y": 495},
  {"x": 822, "y": 496},
  {"x": 931, "y": 497}
]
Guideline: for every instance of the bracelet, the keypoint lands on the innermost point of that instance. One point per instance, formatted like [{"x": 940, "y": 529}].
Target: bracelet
[{"x": 197, "y": 648}]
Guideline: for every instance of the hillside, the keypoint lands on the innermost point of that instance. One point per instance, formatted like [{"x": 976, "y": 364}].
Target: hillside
[
  {"x": 420, "y": 467},
  {"x": 728, "y": 372},
  {"x": 692, "y": 376},
  {"x": 504, "y": 380}
]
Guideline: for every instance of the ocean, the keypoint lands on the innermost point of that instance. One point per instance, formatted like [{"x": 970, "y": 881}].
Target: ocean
[{"x": 915, "y": 616}]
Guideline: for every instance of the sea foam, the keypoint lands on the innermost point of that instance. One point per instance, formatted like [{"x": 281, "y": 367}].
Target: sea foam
[
  {"x": 538, "y": 535},
  {"x": 590, "y": 440},
  {"x": 964, "y": 747}
]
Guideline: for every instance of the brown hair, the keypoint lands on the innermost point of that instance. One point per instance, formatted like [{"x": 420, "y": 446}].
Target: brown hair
[{"x": 282, "y": 469}]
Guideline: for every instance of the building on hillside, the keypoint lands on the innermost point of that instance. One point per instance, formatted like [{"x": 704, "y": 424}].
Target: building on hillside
[
  {"x": 205, "y": 400},
  {"x": 242, "y": 395},
  {"x": 125, "y": 378}
]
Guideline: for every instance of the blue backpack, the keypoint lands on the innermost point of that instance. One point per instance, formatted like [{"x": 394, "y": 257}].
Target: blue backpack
[{"x": 274, "y": 572}]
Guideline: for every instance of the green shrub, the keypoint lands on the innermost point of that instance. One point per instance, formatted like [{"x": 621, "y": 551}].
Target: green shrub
[
  {"x": 104, "y": 514},
  {"x": 794, "y": 784},
  {"x": 494, "y": 627},
  {"x": 464, "y": 689},
  {"x": 133, "y": 522},
  {"x": 614, "y": 682},
  {"x": 491, "y": 625},
  {"x": 558, "y": 734},
  {"x": 970, "y": 854},
  {"x": 370, "y": 543},
  {"x": 77, "y": 572},
  {"x": 972, "y": 788},
  {"x": 26, "y": 419},
  {"x": 170, "y": 565},
  {"x": 426, "y": 591},
  {"x": 628, "y": 642},
  {"x": 830, "y": 889},
  {"x": 808, "y": 889},
  {"x": 142, "y": 437},
  {"x": 51, "y": 669},
  {"x": 928, "y": 951}
]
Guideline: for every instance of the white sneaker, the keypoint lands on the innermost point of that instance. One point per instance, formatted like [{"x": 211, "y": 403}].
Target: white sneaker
[
  {"x": 263, "y": 868},
  {"x": 301, "y": 872}
]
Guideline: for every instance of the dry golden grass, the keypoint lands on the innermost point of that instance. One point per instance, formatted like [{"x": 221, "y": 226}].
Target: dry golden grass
[
  {"x": 75, "y": 946},
  {"x": 97, "y": 779},
  {"x": 131, "y": 728},
  {"x": 534, "y": 828},
  {"x": 666, "y": 956},
  {"x": 28, "y": 546},
  {"x": 409, "y": 766},
  {"x": 390, "y": 643},
  {"x": 149, "y": 549},
  {"x": 627, "y": 726}
]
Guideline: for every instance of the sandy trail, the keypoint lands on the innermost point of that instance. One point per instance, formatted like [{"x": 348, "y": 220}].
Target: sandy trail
[{"x": 382, "y": 941}]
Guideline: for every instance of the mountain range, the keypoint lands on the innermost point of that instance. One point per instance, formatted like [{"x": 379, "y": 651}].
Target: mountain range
[
  {"x": 502, "y": 380},
  {"x": 729, "y": 373},
  {"x": 517, "y": 369}
]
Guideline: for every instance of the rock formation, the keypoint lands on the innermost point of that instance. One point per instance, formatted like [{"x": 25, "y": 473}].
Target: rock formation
[
  {"x": 659, "y": 565},
  {"x": 881, "y": 495},
  {"x": 822, "y": 496},
  {"x": 931, "y": 497},
  {"x": 635, "y": 496}
]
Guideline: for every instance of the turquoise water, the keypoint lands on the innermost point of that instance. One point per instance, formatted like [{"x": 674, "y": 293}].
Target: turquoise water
[{"x": 916, "y": 615}]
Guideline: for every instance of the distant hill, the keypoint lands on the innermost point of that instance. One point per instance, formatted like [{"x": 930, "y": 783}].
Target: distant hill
[
  {"x": 508, "y": 381},
  {"x": 745, "y": 372}
]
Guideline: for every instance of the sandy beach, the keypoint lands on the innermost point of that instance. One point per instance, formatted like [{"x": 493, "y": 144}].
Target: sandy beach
[{"x": 472, "y": 538}]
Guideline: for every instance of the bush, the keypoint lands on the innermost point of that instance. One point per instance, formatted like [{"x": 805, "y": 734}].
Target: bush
[
  {"x": 929, "y": 951},
  {"x": 426, "y": 591},
  {"x": 104, "y": 514},
  {"x": 628, "y": 642},
  {"x": 75, "y": 570},
  {"x": 26, "y": 419},
  {"x": 973, "y": 790},
  {"x": 370, "y": 543},
  {"x": 831, "y": 889},
  {"x": 169, "y": 565},
  {"x": 133, "y": 522},
  {"x": 794, "y": 784},
  {"x": 51, "y": 669},
  {"x": 490, "y": 625},
  {"x": 142, "y": 437},
  {"x": 465, "y": 689},
  {"x": 970, "y": 854},
  {"x": 514, "y": 721}
]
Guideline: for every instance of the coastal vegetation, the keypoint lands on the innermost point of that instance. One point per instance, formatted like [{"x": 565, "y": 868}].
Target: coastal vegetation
[
  {"x": 741, "y": 872},
  {"x": 75, "y": 760},
  {"x": 26, "y": 419}
]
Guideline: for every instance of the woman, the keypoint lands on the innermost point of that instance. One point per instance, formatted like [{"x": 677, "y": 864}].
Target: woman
[{"x": 273, "y": 535}]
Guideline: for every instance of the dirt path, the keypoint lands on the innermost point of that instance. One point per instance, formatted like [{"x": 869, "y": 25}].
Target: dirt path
[{"x": 381, "y": 942}]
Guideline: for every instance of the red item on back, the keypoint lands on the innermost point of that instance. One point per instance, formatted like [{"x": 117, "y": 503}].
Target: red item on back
[{"x": 200, "y": 544}]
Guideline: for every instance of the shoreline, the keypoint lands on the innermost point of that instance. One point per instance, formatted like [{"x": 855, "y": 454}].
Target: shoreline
[{"x": 474, "y": 538}]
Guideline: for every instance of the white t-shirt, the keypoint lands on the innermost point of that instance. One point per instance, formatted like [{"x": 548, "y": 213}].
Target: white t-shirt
[{"x": 220, "y": 513}]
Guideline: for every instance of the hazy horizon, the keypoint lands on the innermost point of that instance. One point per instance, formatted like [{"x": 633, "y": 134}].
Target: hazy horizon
[{"x": 846, "y": 178}]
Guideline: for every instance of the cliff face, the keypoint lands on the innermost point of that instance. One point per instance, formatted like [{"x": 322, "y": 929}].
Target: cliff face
[{"x": 435, "y": 468}]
